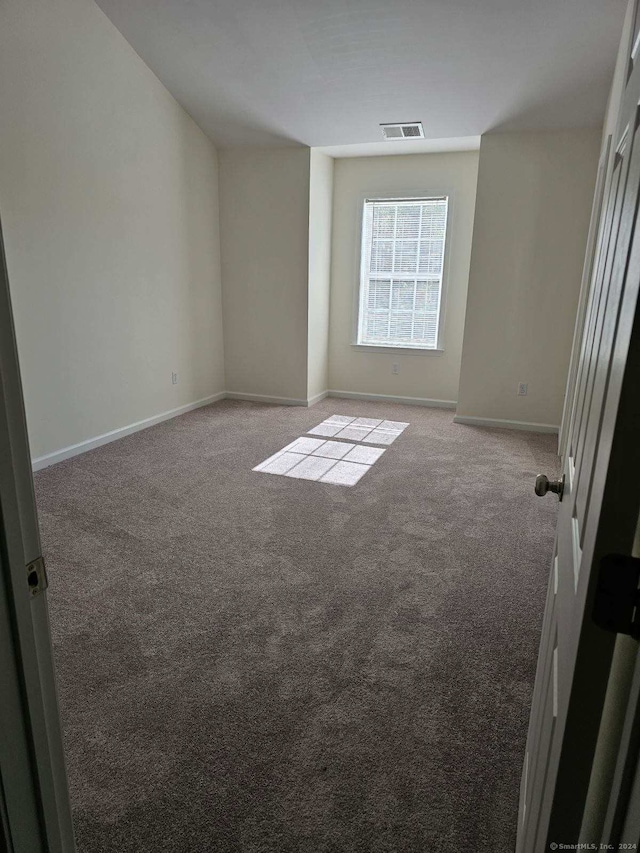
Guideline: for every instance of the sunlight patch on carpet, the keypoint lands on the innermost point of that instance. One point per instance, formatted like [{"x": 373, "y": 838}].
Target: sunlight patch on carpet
[
  {"x": 341, "y": 463},
  {"x": 369, "y": 430}
]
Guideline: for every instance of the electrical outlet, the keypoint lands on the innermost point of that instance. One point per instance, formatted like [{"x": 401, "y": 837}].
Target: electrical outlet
[
  {"x": 522, "y": 389},
  {"x": 174, "y": 378},
  {"x": 395, "y": 369}
]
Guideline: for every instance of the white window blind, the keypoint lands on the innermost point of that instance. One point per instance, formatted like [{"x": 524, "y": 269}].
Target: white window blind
[{"x": 402, "y": 261}]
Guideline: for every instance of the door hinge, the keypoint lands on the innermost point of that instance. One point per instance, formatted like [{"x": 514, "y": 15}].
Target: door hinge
[
  {"x": 36, "y": 577},
  {"x": 616, "y": 606}
]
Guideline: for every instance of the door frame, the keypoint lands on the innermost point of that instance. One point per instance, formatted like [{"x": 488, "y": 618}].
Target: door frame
[
  {"x": 36, "y": 806},
  {"x": 623, "y": 808}
]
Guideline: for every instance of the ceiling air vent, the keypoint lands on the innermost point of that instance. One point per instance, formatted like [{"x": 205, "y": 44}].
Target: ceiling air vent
[{"x": 403, "y": 130}]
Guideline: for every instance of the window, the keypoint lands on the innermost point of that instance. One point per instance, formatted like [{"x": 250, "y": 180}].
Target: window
[{"x": 401, "y": 272}]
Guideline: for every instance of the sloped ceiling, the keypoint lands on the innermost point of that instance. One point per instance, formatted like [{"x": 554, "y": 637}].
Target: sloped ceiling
[{"x": 328, "y": 72}]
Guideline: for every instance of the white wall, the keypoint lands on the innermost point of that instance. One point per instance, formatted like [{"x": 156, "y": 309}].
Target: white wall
[
  {"x": 320, "y": 220},
  {"x": 264, "y": 230},
  {"x": 431, "y": 375},
  {"x": 533, "y": 206},
  {"x": 108, "y": 197}
]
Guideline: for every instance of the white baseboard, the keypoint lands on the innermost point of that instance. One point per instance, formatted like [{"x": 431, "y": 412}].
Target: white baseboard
[
  {"x": 263, "y": 398},
  {"x": 317, "y": 397},
  {"x": 500, "y": 423},
  {"x": 388, "y": 398},
  {"x": 82, "y": 447}
]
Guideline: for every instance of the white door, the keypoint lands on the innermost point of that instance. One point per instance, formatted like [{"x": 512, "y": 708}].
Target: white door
[
  {"x": 597, "y": 514},
  {"x": 34, "y": 800},
  {"x": 587, "y": 273}
]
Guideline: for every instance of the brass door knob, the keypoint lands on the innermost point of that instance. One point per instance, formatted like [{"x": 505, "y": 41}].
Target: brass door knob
[{"x": 544, "y": 485}]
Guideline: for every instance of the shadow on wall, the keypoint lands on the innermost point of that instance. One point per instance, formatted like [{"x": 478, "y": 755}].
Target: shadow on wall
[{"x": 199, "y": 312}]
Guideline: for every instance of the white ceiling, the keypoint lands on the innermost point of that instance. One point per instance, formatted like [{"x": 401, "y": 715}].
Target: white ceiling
[{"x": 328, "y": 72}]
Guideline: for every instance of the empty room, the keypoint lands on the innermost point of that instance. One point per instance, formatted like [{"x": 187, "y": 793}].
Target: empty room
[{"x": 319, "y": 471}]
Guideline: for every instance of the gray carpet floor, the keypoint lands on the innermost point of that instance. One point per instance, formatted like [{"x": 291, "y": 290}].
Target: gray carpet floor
[{"x": 249, "y": 662}]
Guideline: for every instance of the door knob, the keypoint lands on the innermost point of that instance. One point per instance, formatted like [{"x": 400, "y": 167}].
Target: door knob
[{"x": 544, "y": 485}]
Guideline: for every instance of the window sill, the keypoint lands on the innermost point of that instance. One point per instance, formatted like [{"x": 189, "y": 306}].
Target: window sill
[{"x": 372, "y": 348}]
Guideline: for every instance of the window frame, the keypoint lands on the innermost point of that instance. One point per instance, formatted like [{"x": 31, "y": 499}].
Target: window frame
[{"x": 363, "y": 198}]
